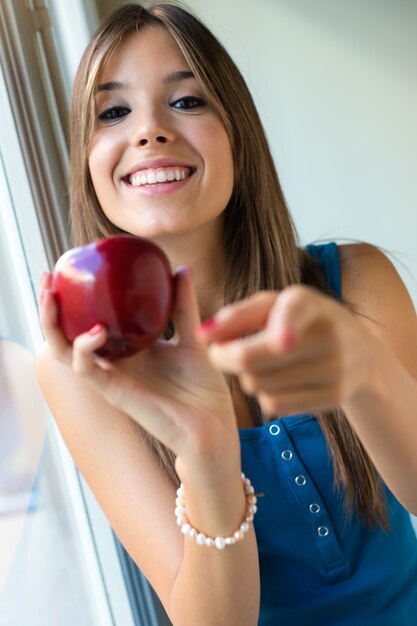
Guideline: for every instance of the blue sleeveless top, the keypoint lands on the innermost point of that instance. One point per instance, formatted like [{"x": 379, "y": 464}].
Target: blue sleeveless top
[{"x": 318, "y": 567}]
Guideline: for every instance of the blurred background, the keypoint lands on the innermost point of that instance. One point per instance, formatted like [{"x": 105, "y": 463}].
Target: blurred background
[{"x": 335, "y": 85}]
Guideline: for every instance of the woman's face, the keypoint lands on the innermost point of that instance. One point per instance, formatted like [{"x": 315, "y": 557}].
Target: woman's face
[{"x": 161, "y": 161}]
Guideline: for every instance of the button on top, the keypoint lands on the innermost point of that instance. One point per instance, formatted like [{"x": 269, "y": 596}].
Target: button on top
[
  {"x": 286, "y": 455},
  {"x": 300, "y": 480},
  {"x": 274, "y": 429}
]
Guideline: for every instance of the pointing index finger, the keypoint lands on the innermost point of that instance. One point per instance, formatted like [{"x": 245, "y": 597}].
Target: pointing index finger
[{"x": 238, "y": 319}]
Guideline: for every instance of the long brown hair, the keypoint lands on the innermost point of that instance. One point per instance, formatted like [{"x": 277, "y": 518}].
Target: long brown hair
[{"x": 260, "y": 239}]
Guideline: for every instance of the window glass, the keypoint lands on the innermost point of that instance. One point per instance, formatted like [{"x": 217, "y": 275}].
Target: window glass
[
  {"x": 49, "y": 572},
  {"x": 42, "y": 576}
]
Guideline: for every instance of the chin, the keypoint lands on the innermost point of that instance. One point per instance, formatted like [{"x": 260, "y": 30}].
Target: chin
[{"x": 158, "y": 224}]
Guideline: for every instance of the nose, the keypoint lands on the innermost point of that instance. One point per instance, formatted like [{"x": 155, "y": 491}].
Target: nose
[
  {"x": 152, "y": 129},
  {"x": 158, "y": 139}
]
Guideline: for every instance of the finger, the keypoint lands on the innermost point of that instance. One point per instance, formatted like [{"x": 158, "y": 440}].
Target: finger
[
  {"x": 295, "y": 310},
  {"x": 185, "y": 315},
  {"x": 59, "y": 345},
  {"x": 237, "y": 319},
  {"x": 234, "y": 357},
  {"x": 45, "y": 283},
  {"x": 257, "y": 354},
  {"x": 291, "y": 378},
  {"x": 99, "y": 372},
  {"x": 84, "y": 350}
]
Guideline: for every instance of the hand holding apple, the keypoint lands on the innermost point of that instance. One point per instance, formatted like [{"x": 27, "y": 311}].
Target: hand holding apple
[
  {"x": 122, "y": 282},
  {"x": 171, "y": 390}
]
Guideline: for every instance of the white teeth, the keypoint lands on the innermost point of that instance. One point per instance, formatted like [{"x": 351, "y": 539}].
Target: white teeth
[{"x": 152, "y": 177}]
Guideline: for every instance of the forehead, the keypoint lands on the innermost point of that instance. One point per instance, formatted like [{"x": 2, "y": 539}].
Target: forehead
[{"x": 152, "y": 47}]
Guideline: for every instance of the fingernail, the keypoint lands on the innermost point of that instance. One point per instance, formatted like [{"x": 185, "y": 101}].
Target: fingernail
[
  {"x": 289, "y": 339},
  {"x": 43, "y": 295},
  {"x": 185, "y": 269},
  {"x": 42, "y": 285},
  {"x": 96, "y": 329},
  {"x": 208, "y": 325}
]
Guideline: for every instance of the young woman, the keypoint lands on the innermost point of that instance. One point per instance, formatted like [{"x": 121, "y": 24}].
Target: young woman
[{"x": 303, "y": 373}]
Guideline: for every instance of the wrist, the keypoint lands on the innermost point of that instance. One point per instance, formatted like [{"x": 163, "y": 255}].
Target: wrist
[
  {"x": 218, "y": 538},
  {"x": 215, "y": 503}
]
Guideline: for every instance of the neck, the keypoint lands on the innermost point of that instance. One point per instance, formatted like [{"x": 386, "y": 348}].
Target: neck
[{"x": 206, "y": 257}]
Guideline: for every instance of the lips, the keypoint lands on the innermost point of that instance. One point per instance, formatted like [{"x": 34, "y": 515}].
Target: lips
[{"x": 158, "y": 171}]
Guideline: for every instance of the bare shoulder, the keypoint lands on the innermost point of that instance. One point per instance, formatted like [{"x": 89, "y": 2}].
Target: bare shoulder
[
  {"x": 123, "y": 472},
  {"x": 371, "y": 283},
  {"x": 369, "y": 275}
]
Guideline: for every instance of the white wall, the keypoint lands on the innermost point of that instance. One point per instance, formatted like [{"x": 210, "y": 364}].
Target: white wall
[{"x": 335, "y": 83}]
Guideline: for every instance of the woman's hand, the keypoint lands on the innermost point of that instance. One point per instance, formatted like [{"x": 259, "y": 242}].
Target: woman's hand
[
  {"x": 296, "y": 351},
  {"x": 170, "y": 389}
]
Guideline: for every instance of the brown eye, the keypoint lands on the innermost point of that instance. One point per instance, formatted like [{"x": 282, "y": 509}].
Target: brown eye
[
  {"x": 114, "y": 113},
  {"x": 188, "y": 103}
]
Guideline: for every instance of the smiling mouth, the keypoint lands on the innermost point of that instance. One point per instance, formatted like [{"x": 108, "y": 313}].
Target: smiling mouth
[{"x": 158, "y": 176}]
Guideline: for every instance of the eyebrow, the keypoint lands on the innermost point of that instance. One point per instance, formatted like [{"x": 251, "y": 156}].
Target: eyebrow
[
  {"x": 180, "y": 75},
  {"x": 112, "y": 85},
  {"x": 116, "y": 85}
]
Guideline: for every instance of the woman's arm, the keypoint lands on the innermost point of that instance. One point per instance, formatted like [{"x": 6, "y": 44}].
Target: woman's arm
[
  {"x": 172, "y": 391},
  {"x": 384, "y": 411},
  {"x": 309, "y": 353}
]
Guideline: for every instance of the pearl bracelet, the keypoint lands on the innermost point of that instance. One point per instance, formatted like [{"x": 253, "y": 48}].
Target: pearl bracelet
[{"x": 217, "y": 542}]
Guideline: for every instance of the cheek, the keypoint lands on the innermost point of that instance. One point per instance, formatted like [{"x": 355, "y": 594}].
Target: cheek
[
  {"x": 219, "y": 151},
  {"x": 95, "y": 166},
  {"x": 102, "y": 159},
  {"x": 225, "y": 165}
]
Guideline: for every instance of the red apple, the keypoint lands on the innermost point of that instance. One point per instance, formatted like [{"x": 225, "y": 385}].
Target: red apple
[{"x": 123, "y": 282}]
